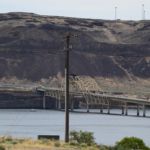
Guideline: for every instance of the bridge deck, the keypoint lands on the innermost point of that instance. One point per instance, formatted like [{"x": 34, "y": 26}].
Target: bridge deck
[{"x": 110, "y": 97}]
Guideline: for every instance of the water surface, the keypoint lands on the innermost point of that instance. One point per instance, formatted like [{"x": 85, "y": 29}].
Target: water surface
[{"x": 107, "y": 129}]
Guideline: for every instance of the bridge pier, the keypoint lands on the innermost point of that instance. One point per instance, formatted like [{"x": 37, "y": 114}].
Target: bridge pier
[
  {"x": 126, "y": 109},
  {"x": 87, "y": 107},
  {"x": 44, "y": 101},
  {"x": 144, "y": 111},
  {"x": 122, "y": 110},
  {"x": 72, "y": 104},
  {"x": 108, "y": 107},
  {"x": 59, "y": 104},
  {"x": 101, "y": 110},
  {"x": 56, "y": 104},
  {"x": 138, "y": 110}
]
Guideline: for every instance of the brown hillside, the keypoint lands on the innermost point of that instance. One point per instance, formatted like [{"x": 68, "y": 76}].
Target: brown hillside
[{"x": 102, "y": 49}]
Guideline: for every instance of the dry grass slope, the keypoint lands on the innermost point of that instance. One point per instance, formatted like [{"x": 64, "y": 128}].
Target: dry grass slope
[{"x": 29, "y": 144}]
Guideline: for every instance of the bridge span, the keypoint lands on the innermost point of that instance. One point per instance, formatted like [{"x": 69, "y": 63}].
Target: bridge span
[
  {"x": 85, "y": 92},
  {"x": 101, "y": 100}
]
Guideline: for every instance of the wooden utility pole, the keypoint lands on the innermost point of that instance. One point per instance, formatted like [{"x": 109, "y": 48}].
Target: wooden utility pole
[{"x": 67, "y": 89}]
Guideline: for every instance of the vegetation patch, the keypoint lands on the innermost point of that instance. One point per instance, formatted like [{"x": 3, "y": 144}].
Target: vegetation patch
[
  {"x": 2, "y": 147},
  {"x": 131, "y": 143},
  {"x": 84, "y": 138},
  {"x": 78, "y": 141}
]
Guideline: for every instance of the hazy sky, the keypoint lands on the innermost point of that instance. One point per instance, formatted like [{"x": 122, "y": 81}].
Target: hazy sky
[{"x": 101, "y": 9}]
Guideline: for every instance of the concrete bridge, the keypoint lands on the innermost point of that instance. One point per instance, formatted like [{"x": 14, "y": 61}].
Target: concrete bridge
[
  {"x": 84, "y": 91},
  {"x": 89, "y": 95},
  {"x": 96, "y": 99}
]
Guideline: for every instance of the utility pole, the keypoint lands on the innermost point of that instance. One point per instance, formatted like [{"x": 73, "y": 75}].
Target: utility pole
[
  {"x": 143, "y": 12},
  {"x": 67, "y": 89},
  {"x": 115, "y": 12}
]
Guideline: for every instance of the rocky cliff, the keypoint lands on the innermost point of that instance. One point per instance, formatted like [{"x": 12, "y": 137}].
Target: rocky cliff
[{"x": 32, "y": 47}]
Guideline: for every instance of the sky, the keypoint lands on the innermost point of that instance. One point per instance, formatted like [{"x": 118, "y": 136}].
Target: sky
[{"x": 96, "y": 9}]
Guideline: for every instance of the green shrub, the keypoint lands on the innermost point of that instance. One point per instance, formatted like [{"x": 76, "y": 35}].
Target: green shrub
[
  {"x": 104, "y": 147},
  {"x": 73, "y": 143},
  {"x": 8, "y": 138},
  {"x": 57, "y": 144},
  {"x": 83, "y": 145},
  {"x": 2, "y": 148},
  {"x": 82, "y": 137},
  {"x": 131, "y": 143}
]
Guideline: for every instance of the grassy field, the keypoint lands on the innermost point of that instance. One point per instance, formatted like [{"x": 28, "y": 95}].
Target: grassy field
[
  {"x": 28, "y": 144},
  {"x": 127, "y": 143}
]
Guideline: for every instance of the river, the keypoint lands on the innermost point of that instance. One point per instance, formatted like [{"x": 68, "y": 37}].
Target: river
[{"x": 107, "y": 129}]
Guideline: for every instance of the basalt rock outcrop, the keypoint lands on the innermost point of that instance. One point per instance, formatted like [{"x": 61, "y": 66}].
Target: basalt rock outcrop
[{"x": 32, "y": 47}]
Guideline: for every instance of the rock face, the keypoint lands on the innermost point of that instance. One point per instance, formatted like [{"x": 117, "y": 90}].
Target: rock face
[{"x": 32, "y": 47}]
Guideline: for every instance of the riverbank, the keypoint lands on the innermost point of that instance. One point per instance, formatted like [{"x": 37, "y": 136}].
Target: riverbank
[{"x": 9, "y": 143}]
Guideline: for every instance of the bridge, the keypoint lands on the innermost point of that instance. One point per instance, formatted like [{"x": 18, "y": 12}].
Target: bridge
[
  {"x": 88, "y": 93},
  {"x": 85, "y": 91}
]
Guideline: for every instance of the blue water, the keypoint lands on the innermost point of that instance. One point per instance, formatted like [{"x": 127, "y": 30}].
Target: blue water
[{"x": 107, "y": 129}]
